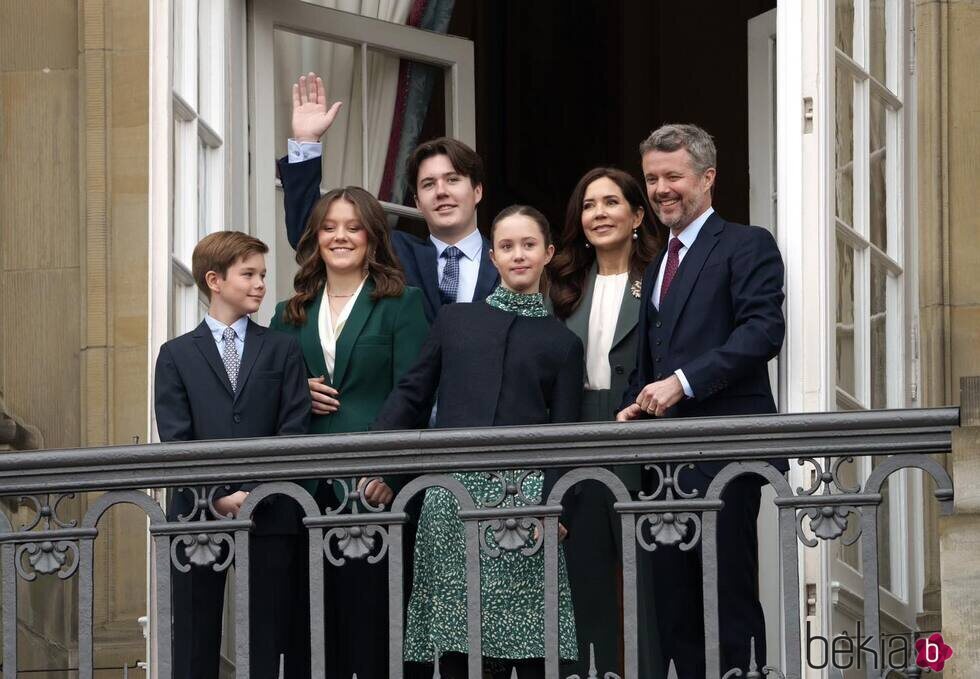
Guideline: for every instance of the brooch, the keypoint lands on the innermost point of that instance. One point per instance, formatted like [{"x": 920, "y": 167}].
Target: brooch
[{"x": 635, "y": 288}]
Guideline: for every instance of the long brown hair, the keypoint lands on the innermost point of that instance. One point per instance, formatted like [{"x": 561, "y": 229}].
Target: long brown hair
[
  {"x": 570, "y": 266},
  {"x": 380, "y": 261}
]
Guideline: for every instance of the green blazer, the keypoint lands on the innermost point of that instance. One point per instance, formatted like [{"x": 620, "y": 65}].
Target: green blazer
[
  {"x": 380, "y": 341},
  {"x": 601, "y": 406}
]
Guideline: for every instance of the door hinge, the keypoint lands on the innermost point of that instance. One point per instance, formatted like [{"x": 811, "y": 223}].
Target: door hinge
[
  {"x": 807, "y": 115},
  {"x": 811, "y": 599}
]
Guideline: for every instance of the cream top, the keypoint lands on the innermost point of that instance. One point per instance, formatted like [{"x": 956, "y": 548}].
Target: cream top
[
  {"x": 330, "y": 329},
  {"x": 607, "y": 298}
]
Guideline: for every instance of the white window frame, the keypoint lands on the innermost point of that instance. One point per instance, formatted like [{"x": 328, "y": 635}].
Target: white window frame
[
  {"x": 895, "y": 601},
  {"x": 805, "y": 169},
  {"x": 454, "y": 55},
  {"x": 198, "y": 127}
]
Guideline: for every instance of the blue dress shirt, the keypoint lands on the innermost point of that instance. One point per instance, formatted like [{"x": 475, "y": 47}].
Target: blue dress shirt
[{"x": 218, "y": 331}]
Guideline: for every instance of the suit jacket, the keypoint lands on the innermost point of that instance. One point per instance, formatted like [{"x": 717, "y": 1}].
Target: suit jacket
[
  {"x": 301, "y": 191},
  {"x": 602, "y": 405},
  {"x": 193, "y": 400},
  {"x": 490, "y": 367},
  {"x": 379, "y": 342},
  {"x": 720, "y": 322}
]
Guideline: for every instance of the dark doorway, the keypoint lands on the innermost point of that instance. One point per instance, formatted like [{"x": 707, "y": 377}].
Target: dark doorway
[{"x": 564, "y": 86}]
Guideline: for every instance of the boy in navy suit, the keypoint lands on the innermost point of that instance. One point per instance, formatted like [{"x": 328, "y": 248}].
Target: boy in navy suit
[{"x": 232, "y": 378}]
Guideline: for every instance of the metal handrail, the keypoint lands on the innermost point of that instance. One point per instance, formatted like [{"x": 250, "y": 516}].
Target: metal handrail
[{"x": 407, "y": 452}]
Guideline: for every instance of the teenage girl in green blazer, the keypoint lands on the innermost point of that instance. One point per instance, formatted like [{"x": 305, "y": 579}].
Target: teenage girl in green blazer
[{"x": 360, "y": 327}]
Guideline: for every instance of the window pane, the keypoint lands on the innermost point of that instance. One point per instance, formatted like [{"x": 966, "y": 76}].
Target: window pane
[
  {"x": 185, "y": 49},
  {"x": 884, "y": 527},
  {"x": 877, "y": 38},
  {"x": 844, "y": 147},
  {"x": 203, "y": 225},
  {"x": 847, "y": 473},
  {"x": 209, "y": 76},
  {"x": 406, "y": 105},
  {"x": 879, "y": 338},
  {"x": 844, "y": 21},
  {"x": 877, "y": 138},
  {"x": 185, "y": 189},
  {"x": 405, "y": 102},
  {"x": 340, "y": 67},
  {"x": 845, "y": 317}
]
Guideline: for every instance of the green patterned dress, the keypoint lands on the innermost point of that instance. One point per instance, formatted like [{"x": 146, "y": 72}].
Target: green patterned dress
[{"x": 512, "y": 584}]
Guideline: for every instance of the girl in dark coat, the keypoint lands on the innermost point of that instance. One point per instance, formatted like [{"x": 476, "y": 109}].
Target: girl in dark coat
[{"x": 505, "y": 361}]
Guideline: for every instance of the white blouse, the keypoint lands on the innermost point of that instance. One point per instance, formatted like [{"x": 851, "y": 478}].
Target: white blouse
[
  {"x": 330, "y": 330},
  {"x": 607, "y": 298}
]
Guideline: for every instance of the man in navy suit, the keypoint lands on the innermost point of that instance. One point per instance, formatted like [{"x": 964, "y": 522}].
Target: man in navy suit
[
  {"x": 231, "y": 378},
  {"x": 711, "y": 320}
]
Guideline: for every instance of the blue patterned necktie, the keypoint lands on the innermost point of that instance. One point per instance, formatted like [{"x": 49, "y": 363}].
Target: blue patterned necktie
[
  {"x": 449, "y": 285},
  {"x": 230, "y": 357}
]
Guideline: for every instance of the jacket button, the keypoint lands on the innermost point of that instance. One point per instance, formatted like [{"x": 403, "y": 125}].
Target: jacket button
[
  {"x": 659, "y": 358},
  {"x": 237, "y": 418},
  {"x": 658, "y": 376},
  {"x": 619, "y": 370},
  {"x": 659, "y": 341},
  {"x": 659, "y": 324}
]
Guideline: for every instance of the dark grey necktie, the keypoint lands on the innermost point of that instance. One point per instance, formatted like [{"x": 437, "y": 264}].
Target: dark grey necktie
[
  {"x": 230, "y": 357},
  {"x": 449, "y": 285}
]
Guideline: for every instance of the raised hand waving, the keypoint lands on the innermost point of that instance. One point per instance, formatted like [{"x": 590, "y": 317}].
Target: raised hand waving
[{"x": 311, "y": 117}]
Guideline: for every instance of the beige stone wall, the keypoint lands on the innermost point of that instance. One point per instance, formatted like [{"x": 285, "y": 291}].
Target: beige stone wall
[
  {"x": 73, "y": 286},
  {"x": 947, "y": 59},
  {"x": 948, "y": 136},
  {"x": 960, "y": 542}
]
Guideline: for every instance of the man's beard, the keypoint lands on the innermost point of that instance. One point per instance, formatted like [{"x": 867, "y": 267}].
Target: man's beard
[{"x": 689, "y": 210}]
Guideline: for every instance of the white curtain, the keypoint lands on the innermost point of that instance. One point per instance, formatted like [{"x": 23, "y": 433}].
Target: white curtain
[{"x": 344, "y": 162}]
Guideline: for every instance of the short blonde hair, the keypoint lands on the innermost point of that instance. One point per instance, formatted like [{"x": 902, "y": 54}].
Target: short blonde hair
[{"x": 219, "y": 251}]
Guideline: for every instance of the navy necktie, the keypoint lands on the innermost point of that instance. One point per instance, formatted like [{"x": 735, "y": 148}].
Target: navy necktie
[{"x": 449, "y": 284}]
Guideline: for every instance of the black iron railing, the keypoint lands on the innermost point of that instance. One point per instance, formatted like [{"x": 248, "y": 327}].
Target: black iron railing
[{"x": 51, "y": 546}]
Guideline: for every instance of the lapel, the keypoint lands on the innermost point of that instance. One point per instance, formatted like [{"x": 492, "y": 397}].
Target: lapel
[
  {"x": 425, "y": 259},
  {"x": 254, "y": 339},
  {"x": 690, "y": 268},
  {"x": 309, "y": 340},
  {"x": 650, "y": 282},
  {"x": 629, "y": 315},
  {"x": 204, "y": 341},
  {"x": 578, "y": 321},
  {"x": 363, "y": 306},
  {"x": 487, "y": 279}
]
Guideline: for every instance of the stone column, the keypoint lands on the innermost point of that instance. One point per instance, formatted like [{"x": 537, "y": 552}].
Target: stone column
[{"x": 959, "y": 541}]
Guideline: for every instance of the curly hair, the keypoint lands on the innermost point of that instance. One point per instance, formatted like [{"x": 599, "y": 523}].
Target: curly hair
[
  {"x": 570, "y": 266},
  {"x": 381, "y": 262}
]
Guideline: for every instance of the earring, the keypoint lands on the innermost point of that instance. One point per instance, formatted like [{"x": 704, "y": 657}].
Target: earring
[
  {"x": 635, "y": 236},
  {"x": 587, "y": 245}
]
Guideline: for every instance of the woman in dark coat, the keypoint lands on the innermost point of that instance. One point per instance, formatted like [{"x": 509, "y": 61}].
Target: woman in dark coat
[
  {"x": 360, "y": 328},
  {"x": 607, "y": 241},
  {"x": 504, "y": 361}
]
